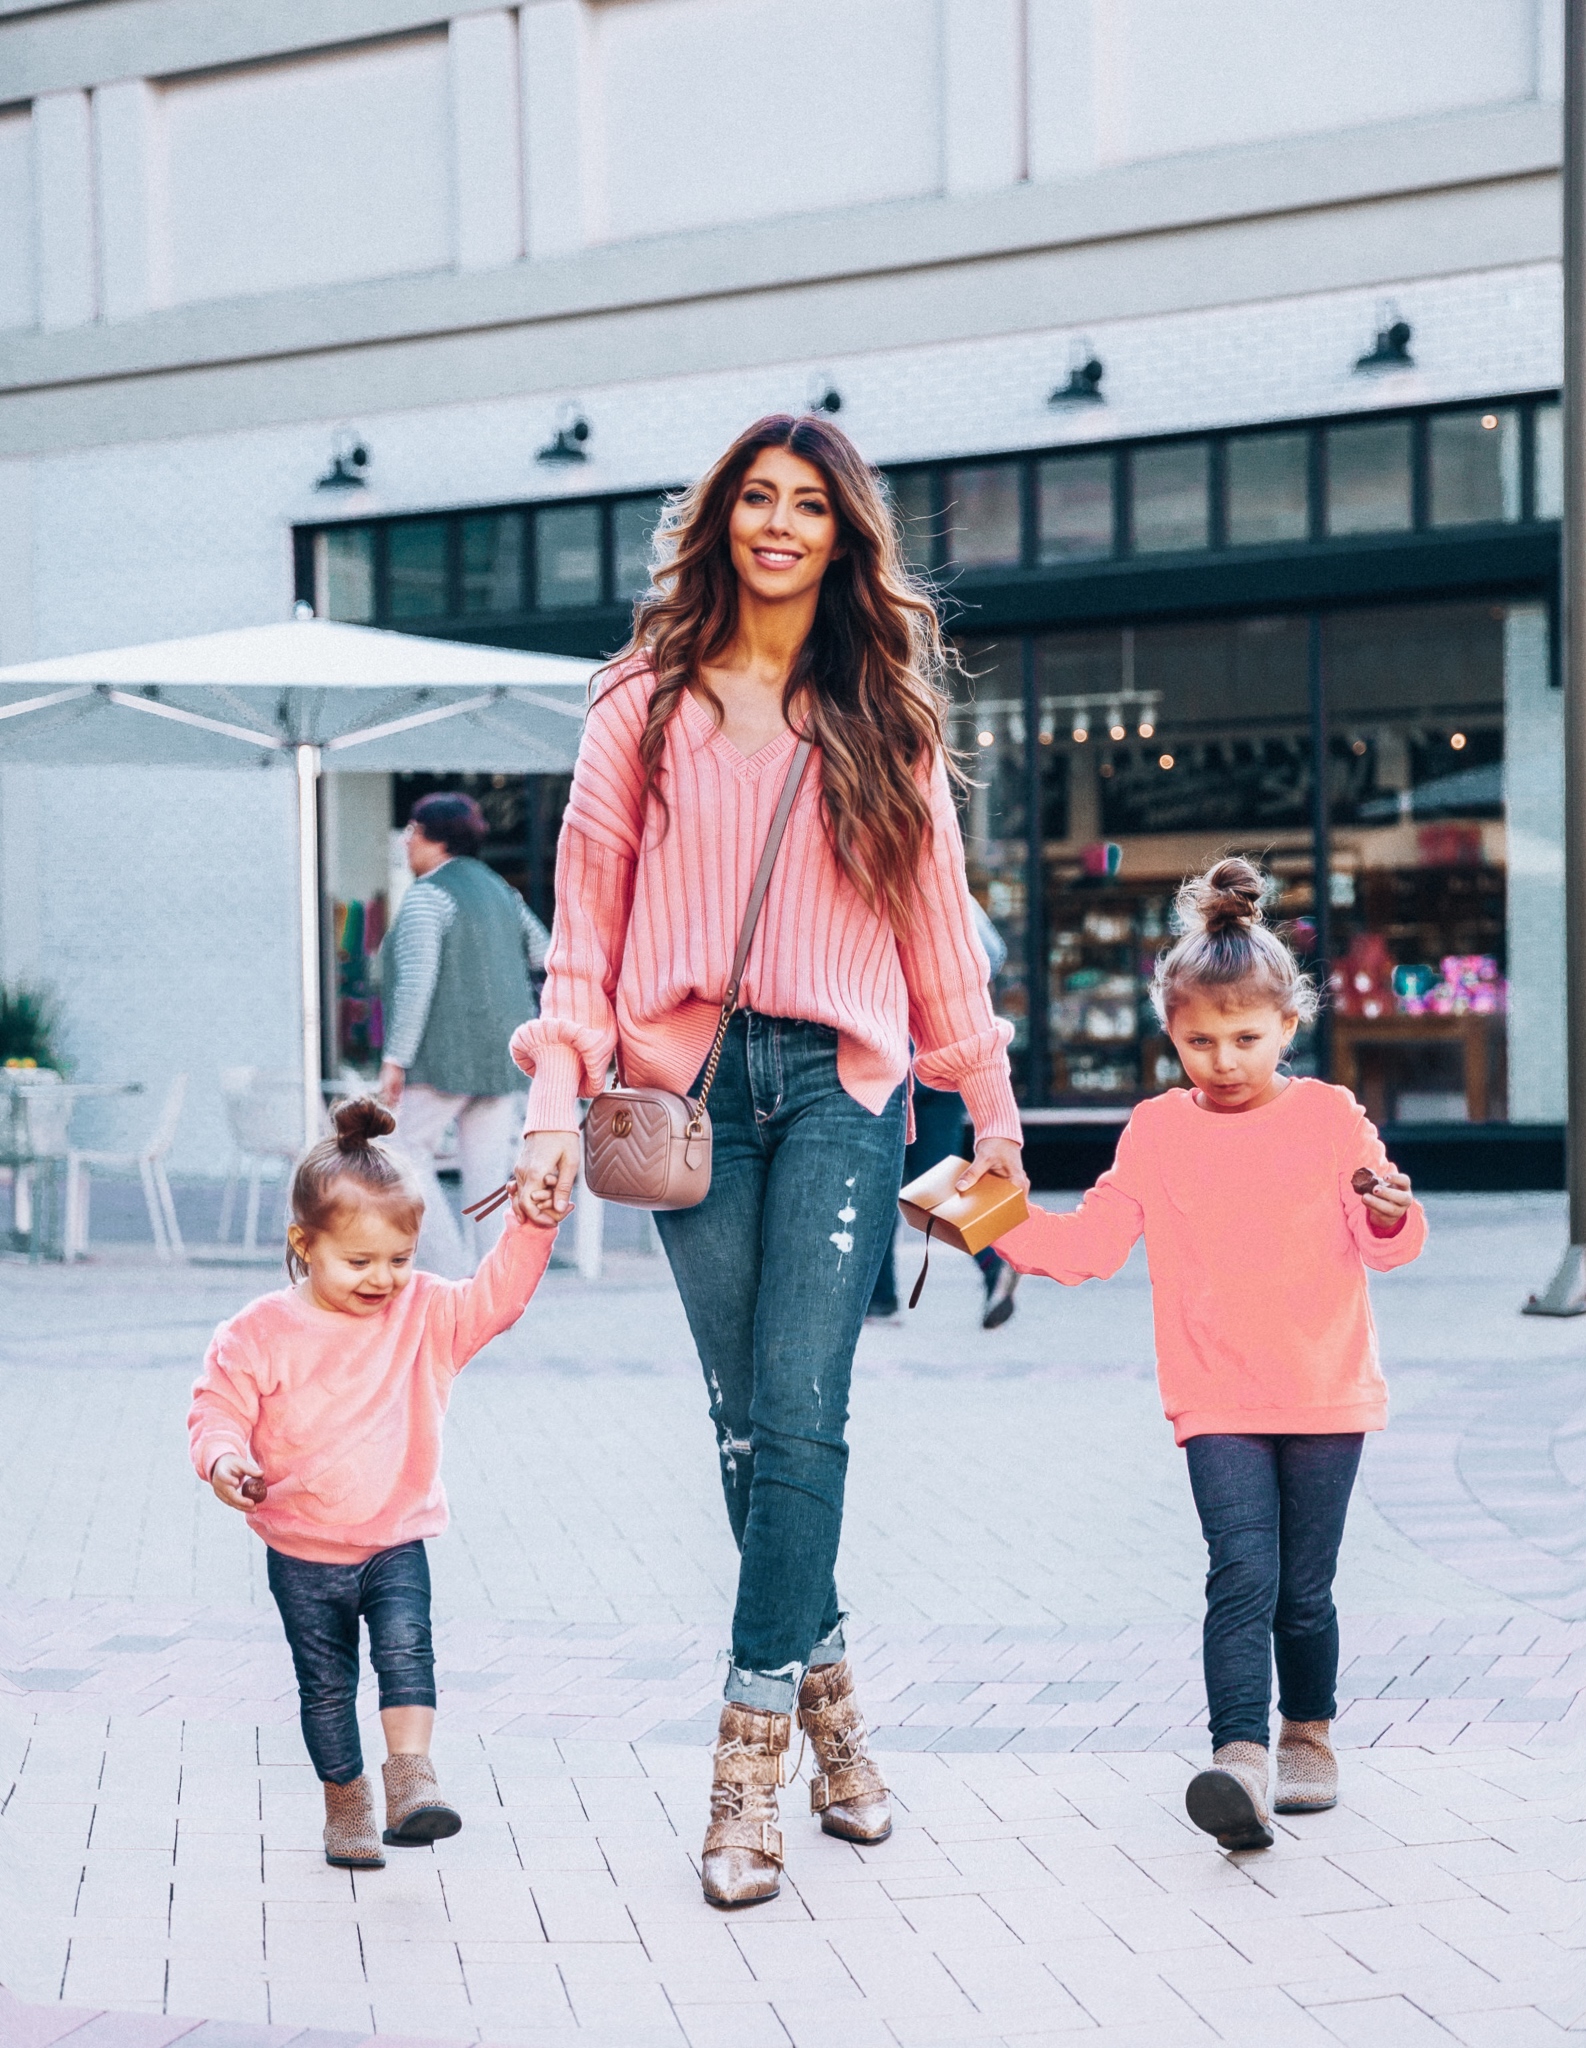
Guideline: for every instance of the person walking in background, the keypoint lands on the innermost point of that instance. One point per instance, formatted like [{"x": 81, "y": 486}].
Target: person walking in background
[
  {"x": 939, "y": 1118},
  {"x": 782, "y": 611},
  {"x": 456, "y": 969},
  {"x": 1263, "y": 1200}
]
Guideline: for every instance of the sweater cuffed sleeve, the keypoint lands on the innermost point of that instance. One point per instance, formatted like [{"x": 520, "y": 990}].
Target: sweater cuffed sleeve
[{"x": 961, "y": 1044}]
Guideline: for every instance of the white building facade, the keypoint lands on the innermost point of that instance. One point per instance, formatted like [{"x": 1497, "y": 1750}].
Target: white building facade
[{"x": 239, "y": 245}]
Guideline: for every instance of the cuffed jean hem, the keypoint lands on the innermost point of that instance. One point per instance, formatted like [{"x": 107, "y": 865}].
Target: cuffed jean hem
[
  {"x": 769, "y": 1692},
  {"x": 831, "y": 1649},
  {"x": 407, "y": 1696}
]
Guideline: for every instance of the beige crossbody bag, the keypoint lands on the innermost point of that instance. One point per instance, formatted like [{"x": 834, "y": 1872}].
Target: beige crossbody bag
[{"x": 648, "y": 1148}]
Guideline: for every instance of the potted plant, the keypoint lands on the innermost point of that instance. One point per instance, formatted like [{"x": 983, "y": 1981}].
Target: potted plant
[{"x": 29, "y": 1028}]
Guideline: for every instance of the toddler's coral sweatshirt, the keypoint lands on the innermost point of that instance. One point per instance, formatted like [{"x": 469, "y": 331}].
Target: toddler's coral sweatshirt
[
  {"x": 1258, "y": 1248},
  {"x": 344, "y": 1413}
]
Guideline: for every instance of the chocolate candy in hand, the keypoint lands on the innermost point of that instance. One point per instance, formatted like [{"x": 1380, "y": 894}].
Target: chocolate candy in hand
[
  {"x": 1364, "y": 1181},
  {"x": 254, "y": 1490}
]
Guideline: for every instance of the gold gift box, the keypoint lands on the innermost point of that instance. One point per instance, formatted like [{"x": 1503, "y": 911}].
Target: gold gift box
[{"x": 968, "y": 1222}]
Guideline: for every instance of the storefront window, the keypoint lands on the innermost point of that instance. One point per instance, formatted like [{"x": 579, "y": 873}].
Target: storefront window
[
  {"x": 988, "y": 725},
  {"x": 913, "y": 505},
  {"x": 493, "y": 562},
  {"x": 633, "y": 524},
  {"x": 1368, "y": 477},
  {"x": 416, "y": 569},
  {"x": 1475, "y": 467},
  {"x": 1419, "y": 860},
  {"x": 1074, "y": 498},
  {"x": 1171, "y": 745},
  {"x": 1268, "y": 488},
  {"x": 983, "y": 516},
  {"x": 344, "y": 574},
  {"x": 1170, "y": 499},
  {"x": 1548, "y": 425},
  {"x": 566, "y": 556}
]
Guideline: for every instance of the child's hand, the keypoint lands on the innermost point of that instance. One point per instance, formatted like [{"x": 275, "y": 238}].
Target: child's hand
[
  {"x": 226, "y": 1476},
  {"x": 1388, "y": 1203}
]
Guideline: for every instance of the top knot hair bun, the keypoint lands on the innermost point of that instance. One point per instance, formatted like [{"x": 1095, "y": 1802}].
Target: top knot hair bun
[
  {"x": 1227, "y": 898},
  {"x": 1226, "y": 949},
  {"x": 360, "y": 1122}
]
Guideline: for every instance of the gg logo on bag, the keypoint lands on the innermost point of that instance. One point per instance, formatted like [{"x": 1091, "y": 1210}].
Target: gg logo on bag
[{"x": 622, "y": 1124}]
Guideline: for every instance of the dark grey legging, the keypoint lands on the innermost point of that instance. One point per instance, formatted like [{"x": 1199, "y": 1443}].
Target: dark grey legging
[
  {"x": 320, "y": 1607},
  {"x": 1272, "y": 1511}
]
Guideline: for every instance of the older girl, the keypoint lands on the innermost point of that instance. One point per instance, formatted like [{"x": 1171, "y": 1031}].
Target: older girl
[
  {"x": 782, "y": 610},
  {"x": 1263, "y": 1200}
]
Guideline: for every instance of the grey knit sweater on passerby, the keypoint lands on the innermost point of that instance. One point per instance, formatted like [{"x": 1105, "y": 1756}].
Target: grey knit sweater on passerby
[{"x": 455, "y": 968}]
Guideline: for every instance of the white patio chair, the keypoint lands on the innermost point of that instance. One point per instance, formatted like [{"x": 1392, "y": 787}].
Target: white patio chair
[
  {"x": 43, "y": 1125},
  {"x": 265, "y": 1112},
  {"x": 149, "y": 1165}
]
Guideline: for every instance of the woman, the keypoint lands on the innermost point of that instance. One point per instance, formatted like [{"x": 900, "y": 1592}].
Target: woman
[{"x": 781, "y": 608}]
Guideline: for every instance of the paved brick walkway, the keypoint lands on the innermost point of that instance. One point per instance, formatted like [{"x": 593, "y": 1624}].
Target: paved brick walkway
[{"x": 1024, "y": 1568}]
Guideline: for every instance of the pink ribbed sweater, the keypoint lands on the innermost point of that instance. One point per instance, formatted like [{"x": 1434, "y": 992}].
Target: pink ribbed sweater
[{"x": 648, "y": 914}]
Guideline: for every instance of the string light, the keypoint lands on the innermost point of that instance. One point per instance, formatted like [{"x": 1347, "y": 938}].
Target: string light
[
  {"x": 1081, "y": 734},
  {"x": 1164, "y": 761},
  {"x": 1119, "y": 731},
  {"x": 986, "y": 739},
  {"x": 1489, "y": 420},
  {"x": 1146, "y": 729},
  {"x": 1457, "y": 741}
]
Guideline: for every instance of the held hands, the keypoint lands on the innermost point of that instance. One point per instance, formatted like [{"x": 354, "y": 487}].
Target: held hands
[
  {"x": 226, "y": 1476},
  {"x": 1002, "y": 1157},
  {"x": 542, "y": 1190},
  {"x": 1388, "y": 1203}
]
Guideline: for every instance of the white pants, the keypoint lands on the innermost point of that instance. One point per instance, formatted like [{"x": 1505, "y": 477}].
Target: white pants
[{"x": 488, "y": 1131}]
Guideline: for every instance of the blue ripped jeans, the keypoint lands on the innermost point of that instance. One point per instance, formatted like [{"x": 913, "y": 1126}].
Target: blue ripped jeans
[{"x": 775, "y": 1268}]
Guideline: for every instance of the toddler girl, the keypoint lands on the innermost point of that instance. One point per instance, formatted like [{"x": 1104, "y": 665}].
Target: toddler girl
[
  {"x": 318, "y": 1415},
  {"x": 1263, "y": 1199}
]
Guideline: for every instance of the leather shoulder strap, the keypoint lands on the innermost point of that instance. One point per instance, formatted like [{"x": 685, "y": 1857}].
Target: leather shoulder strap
[{"x": 768, "y": 854}]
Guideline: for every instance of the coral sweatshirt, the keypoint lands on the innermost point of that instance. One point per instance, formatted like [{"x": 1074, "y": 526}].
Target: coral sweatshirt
[
  {"x": 648, "y": 916},
  {"x": 344, "y": 1413},
  {"x": 1258, "y": 1249}
]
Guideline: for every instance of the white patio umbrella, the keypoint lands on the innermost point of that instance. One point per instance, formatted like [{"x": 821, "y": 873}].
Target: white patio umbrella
[{"x": 288, "y": 696}]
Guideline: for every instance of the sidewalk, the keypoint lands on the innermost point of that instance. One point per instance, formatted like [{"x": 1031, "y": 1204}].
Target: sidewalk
[{"x": 1024, "y": 1567}]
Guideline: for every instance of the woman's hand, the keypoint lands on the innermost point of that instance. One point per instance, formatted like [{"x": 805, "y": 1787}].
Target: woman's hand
[
  {"x": 390, "y": 1085},
  {"x": 1000, "y": 1156},
  {"x": 1388, "y": 1203},
  {"x": 226, "y": 1476},
  {"x": 542, "y": 1180}
]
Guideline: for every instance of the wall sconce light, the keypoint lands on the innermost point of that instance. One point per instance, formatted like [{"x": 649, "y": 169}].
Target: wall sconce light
[
  {"x": 1085, "y": 373},
  {"x": 1391, "y": 349},
  {"x": 566, "y": 445},
  {"x": 349, "y": 459},
  {"x": 824, "y": 396}
]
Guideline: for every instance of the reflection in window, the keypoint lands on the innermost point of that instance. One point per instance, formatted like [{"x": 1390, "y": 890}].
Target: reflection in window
[
  {"x": 566, "y": 556},
  {"x": 1170, "y": 498},
  {"x": 1475, "y": 467},
  {"x": 1268, "y": 488},
  {"x": 493, "y": 562},
  {"x": 345, "y": 574},
  {"x": 983, "y": 516},
  {"x": 987, "y": 723},
  {"x": 1419, "y": 883},
  {"x": 1074, "y": 500},
  {"x": 1368, "y": 477},
  {"x": 416, "y": 569},
  {"x": 633, "y": 523},
  {"x": 914, "y": 507},
  {"x": 1549, "y": 429}
]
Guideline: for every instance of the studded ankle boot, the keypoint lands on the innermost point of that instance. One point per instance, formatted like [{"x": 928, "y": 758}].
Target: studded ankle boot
[
  {"x": 742, "y": 1862},
  {"x": 351, "y": 1841},
  {"x": 848, "y": 1791},
  {"x": 1307, "y": 1768},
  {"x": 1230, "y": 1800},
  {"x": 415, "y": 1812}
]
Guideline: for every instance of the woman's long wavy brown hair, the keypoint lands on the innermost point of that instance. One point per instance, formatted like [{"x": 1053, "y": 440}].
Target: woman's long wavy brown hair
[{"x": 868, "y": 684}]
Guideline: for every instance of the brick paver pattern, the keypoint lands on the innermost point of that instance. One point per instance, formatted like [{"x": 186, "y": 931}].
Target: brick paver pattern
[{"x": 1024, "y": 1569}]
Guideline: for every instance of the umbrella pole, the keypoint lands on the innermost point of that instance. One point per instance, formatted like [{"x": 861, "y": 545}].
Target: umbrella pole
[{"x": 308, "y": 936}]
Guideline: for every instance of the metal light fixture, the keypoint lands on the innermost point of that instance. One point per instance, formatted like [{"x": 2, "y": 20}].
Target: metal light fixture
[
  {"x": 824, "y": 396},
  {"x": 1085, "y": 373},
  {"x": 566, "y": 445},
  {"x": 349, "y": 459},
  {"x": 1391, "y": 349}
]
